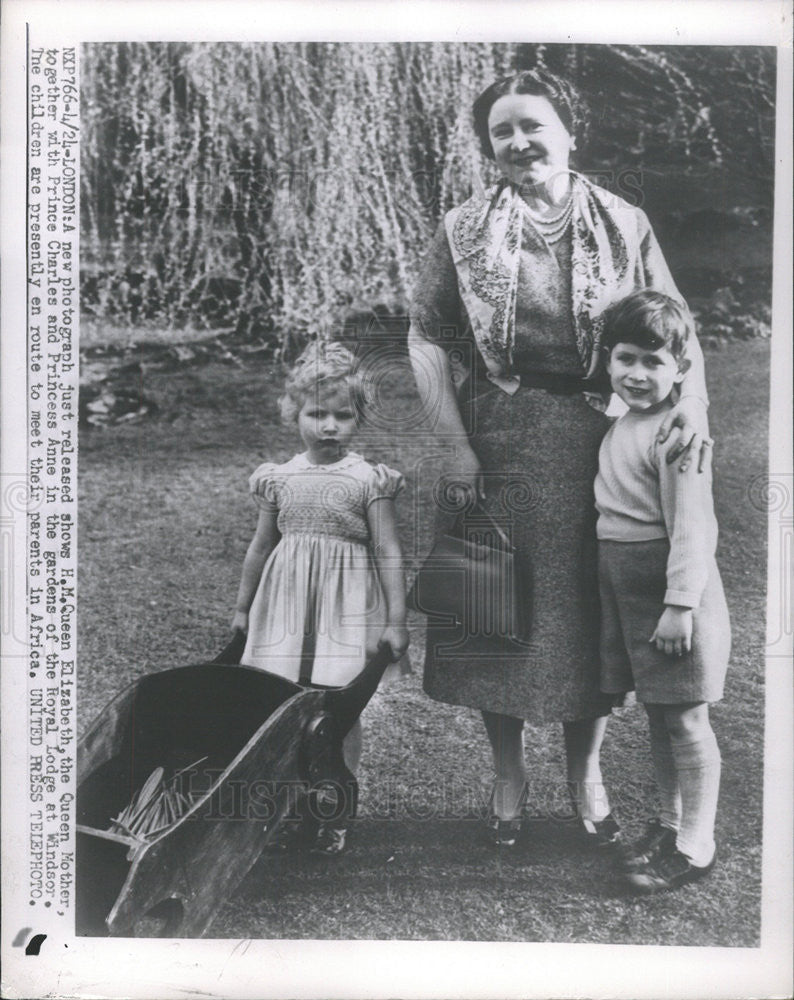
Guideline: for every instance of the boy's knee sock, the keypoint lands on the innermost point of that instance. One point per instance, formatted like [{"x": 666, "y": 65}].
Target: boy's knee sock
[
  {"x": 666, "y": 775},
  {"x": 698, "y": 766}
]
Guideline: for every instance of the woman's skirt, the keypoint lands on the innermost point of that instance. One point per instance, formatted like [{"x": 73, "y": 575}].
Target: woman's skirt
[{"x": 539, "y": 454}]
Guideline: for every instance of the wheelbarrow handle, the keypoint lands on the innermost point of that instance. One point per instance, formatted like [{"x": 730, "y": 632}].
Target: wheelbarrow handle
[
  {"x": 348, "y": 702},
  {"x": 232, "y": 652}
]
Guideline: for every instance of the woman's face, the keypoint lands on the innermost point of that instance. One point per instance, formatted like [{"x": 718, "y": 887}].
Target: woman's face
[{"x": 531, "y": 145}]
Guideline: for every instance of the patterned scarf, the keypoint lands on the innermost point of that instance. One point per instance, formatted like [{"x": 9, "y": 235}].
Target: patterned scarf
[{"x": 610, "y": 257}]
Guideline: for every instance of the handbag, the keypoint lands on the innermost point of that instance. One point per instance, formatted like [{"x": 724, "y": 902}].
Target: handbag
[{"x": 474, "y": 579}]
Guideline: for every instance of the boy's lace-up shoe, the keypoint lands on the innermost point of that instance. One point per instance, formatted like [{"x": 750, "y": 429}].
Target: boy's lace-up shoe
[
  {"x": 667, "y": 872},
  {"x": 657, "y": 841}
]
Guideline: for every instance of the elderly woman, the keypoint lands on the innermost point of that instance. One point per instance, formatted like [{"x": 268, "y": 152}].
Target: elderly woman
[{"x": 504, "y": 343}]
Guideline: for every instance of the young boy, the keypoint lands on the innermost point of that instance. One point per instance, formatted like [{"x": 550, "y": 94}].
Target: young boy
[{"x": 665, "y": 630}]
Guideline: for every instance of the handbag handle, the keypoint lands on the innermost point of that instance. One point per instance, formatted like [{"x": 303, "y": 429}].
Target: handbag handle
[{"x": 491, "y": 522}]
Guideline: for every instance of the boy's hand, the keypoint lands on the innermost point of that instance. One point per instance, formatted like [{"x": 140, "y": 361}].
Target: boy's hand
[
  {"x": 673, "y": 633},
  {"x": 396, "y": 638},
  {"x": 240, "y": 622}
]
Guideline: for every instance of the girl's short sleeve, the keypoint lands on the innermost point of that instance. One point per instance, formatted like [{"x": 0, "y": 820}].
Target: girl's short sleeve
[
  {"x": 384, "y": 483},
  {"x": 262, "y": 484}
]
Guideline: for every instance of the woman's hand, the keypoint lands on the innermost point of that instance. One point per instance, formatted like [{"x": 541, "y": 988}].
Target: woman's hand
[
  {"x": 463, "y": 476},
  {"x": 395, "y": 637},
  {"x": 240, "y": 622},
  {"x": 673, "y": 633},
  {"x": 688, "y": 417}
]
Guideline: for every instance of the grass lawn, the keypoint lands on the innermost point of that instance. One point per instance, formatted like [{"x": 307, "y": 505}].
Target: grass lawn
[{"x": 164, "y": 522}]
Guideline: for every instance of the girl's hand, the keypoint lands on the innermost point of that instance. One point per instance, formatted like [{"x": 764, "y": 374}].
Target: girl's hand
[
  {"x": 240, "y": 622},
  {"x": 673, "y": 633},
  {"x": 689, "y": 418},
  {"x": 396, "y": 638}
]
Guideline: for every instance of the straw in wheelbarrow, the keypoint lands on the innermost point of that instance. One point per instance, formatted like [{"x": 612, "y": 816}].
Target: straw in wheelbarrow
[{"x": 156, "y": 806}]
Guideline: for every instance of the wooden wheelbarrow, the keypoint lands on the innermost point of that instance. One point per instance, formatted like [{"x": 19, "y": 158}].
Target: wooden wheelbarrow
[{"x": 264, "y": 744}]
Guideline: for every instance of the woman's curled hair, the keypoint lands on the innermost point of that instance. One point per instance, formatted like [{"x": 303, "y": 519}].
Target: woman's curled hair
[{"x": 561, "y": 94}]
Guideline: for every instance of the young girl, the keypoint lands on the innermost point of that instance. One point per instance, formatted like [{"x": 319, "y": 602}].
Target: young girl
[
  {"x": 322, "y": 584},
  {"x": 665, "y": 628}
]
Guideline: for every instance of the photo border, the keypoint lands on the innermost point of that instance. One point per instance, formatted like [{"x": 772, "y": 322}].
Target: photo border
[{"x": 283, "y": 968}]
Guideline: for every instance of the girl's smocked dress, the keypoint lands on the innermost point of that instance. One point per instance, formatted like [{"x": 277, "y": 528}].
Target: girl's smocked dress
[{"x": 319, "y": 610}]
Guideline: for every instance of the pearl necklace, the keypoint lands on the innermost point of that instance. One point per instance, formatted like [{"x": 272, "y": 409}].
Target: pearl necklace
[{"x": 553, "y": 228}]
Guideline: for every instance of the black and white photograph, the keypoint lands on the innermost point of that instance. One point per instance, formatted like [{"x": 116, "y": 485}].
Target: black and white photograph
[{"x": 417, "y": 568}]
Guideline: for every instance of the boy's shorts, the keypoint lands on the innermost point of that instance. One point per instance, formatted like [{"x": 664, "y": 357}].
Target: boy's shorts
[{"x": 632, "y": 583}]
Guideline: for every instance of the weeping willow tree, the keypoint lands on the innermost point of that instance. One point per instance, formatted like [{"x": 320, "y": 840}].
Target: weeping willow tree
[{"x": 274, "y": 188}]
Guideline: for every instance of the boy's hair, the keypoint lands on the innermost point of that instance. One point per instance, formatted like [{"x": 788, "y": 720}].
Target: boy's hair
[
  {"x": 648, "y": 319},
  {"x": 322, "y": 366}
]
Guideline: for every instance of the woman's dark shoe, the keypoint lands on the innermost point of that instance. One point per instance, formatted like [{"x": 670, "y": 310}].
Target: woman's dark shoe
[
  {"x": 657, "y": 841},
  {"x": 601, "y": 834},
  {"x": 667, "y": 872},
  {"x": 505, "y": 832}
]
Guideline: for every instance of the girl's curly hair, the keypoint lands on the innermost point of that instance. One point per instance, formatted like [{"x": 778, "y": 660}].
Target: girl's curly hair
[
  {"x": 322, "y": 366},
  {"x": 561, "y": 94}
]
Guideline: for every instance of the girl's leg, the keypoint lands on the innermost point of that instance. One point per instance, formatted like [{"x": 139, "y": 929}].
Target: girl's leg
[
  {"x": 331, "y": 837},
  {"x": 698, "y": 764},
  {"x": 664, "y": 768},
  {"x": 506, "y": 735},
  {"x": 583, "y": 739}
]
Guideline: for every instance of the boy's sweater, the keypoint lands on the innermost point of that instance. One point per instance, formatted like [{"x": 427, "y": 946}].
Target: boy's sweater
[{"x": 640, "y": 497}]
